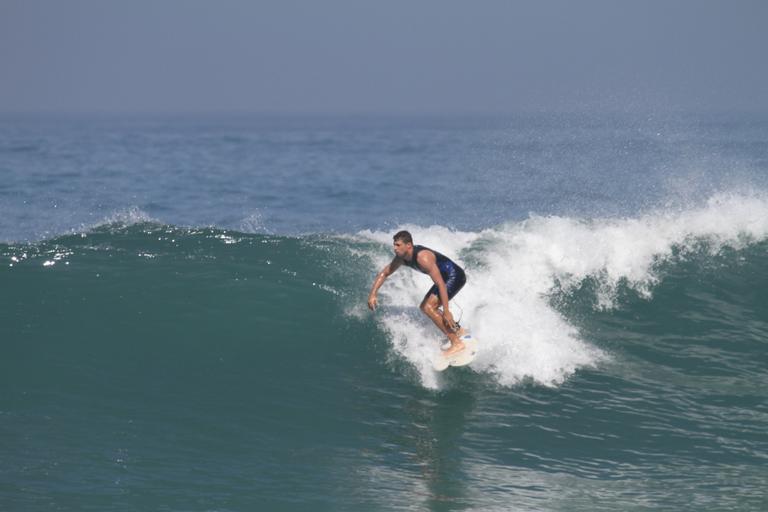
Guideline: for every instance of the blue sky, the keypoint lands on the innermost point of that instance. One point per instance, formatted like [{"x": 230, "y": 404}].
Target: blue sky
[{"x": 334, "y": 56}]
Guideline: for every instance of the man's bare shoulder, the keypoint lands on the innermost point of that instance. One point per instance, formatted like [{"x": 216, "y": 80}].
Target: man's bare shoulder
[{"x": 426, "y": 258}]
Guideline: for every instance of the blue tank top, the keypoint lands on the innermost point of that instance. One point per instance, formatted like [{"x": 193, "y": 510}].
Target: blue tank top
[{"x": 444, "y": 263}]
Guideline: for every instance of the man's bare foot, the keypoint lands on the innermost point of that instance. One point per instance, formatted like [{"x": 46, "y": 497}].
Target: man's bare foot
[{"x": 456, "y": 346}]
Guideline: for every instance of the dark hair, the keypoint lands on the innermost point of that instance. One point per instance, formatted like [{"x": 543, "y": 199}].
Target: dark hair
[{"x": 403, "y": 236}]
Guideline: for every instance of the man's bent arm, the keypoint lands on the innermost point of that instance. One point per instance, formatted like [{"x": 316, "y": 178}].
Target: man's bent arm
[
  {"x": 428, "y": 261},
  {"x": 442, "y": 289}
]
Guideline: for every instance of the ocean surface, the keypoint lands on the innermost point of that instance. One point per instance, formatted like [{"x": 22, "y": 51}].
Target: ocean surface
[{"x": 183, "y": 317}]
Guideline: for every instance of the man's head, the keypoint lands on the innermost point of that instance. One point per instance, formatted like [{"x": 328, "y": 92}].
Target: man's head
[{"x": 403, "y": 243}]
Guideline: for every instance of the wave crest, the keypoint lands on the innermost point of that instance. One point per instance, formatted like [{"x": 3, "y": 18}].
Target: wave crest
[{"x": 514, "y": 269}]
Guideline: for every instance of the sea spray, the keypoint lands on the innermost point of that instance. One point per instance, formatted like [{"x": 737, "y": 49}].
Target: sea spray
[{"x": 513, "y": 271}]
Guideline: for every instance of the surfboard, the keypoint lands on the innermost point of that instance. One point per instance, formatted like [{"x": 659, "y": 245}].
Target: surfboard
[{"x": 463, "y": 358}]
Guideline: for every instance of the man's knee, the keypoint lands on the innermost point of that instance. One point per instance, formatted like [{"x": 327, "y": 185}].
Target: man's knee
[{"x": 428, "y": 305}]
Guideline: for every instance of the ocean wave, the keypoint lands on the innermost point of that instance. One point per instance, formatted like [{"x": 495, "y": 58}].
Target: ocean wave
[{"x": 523, "y": 277}]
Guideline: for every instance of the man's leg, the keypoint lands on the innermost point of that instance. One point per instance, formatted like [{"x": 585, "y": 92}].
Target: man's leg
[{"x": 429, "y": 306}]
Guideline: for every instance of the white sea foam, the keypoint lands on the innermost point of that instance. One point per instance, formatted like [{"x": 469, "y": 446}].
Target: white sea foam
[{"x": 513, "y": 269}]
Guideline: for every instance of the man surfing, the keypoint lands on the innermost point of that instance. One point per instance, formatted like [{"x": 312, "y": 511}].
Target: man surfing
[{"x": 448, "y": 277}]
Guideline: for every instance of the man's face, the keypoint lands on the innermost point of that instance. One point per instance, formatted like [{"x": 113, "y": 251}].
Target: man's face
[{"x": 402, "y": 248}]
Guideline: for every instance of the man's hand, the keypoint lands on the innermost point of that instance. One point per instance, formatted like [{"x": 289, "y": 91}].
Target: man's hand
[
  {"x": 372, "y": 302},
  {"x": 448, "y": 320}
]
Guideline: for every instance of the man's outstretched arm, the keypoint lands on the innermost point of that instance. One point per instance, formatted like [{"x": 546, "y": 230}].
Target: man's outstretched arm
[{"x": 380, "y": 278}]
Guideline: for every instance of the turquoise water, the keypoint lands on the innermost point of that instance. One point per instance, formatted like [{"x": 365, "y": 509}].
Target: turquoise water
[{"x": 171, "y": 345}]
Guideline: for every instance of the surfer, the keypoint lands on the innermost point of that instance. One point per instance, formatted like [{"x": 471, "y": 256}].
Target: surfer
[{"x": 448, "y": 277}]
